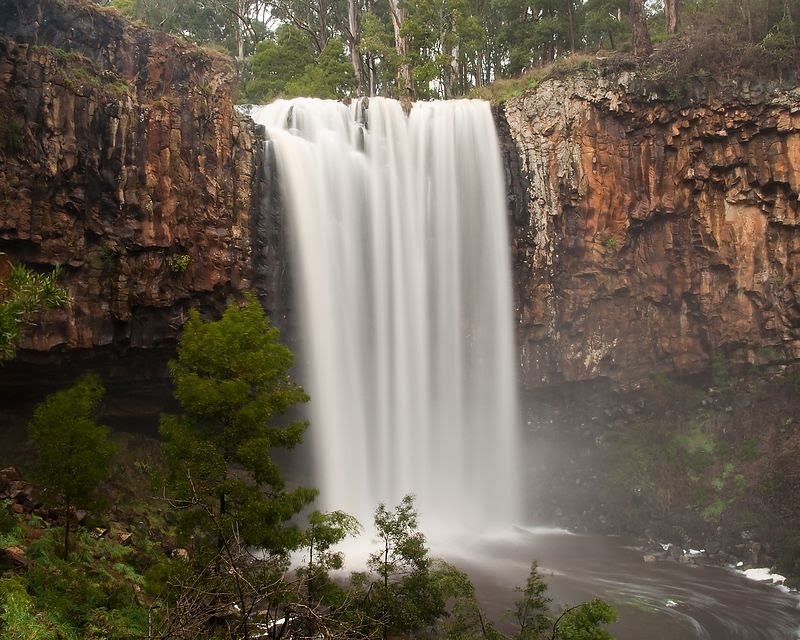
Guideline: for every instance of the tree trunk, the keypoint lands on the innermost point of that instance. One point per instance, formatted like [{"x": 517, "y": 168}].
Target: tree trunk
[
  {"x": 322, "y": 25},
  {"x": 747, "y": 14},
  {"x": 240, "y": 28},
  {"x": 66, "y": 527},
  {"x": 641, "y": 38},
  {"x": 571, "y": 10},
  {"x": 373, "y": 80},
  {"x": 671, "y": 15},
  {"x": 406, "y": 88},
  {"x": 354, "y": 36},
  {"x": 220, "y": 540}
]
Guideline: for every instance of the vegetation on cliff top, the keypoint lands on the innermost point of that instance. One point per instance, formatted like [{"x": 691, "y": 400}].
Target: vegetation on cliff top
[{"x": 449, "y": 48}]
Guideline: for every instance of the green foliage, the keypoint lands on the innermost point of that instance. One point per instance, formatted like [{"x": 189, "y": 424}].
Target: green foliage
[
  {"x": 788, "y": 562},
  {"x": 697, "y": 447},
  {"x": 324, "y": 531},
  {"x": 24, "y": 294},
  {"x": 14, "y": 137},
  {"x": 7, "y": 520},
  {"x": 12, "y": 537},
  {"x": 179, "y": 263},
  {"x": 749, "y": 450},
  {"x": 377, "y": 43},
  {"x": 73, "y": 449},
  {"x": 531, "y": 610},
  {"x": 329, "y": 76},
  {"x": 463, "y": 618},
  {"x": 583, "y": 622},
  {"x": 232, "y": 381},
  {"x": 455, "y": 47},
  {"x": 536, "y": 621},
  {"x": 288, "y": 67},
  {"x": 407, "y": 595},
  {"x": 444, "y": 37},
  {"x": 278, "y": 62},
  {"x": 226, "y": 24},
  {"x": 720, "y": 373},
  {"x": 19, "y": 617},
  {"x": 85, "y": 598}
]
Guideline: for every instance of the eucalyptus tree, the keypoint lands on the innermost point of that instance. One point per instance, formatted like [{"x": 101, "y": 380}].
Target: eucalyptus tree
[
  {"x": 237, "y": 25},
  {"x": 405, "y": 81},
  {"x": 288, "y": 66},
  {"x": 376, "y": 44},
  {"x": 446, "y": 40},
  {"x": 642, "y": 46},
  {"x": 605, "y": 25}
]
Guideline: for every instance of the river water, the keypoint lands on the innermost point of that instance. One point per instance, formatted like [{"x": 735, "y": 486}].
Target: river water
[{"x": 655, "y": 600}]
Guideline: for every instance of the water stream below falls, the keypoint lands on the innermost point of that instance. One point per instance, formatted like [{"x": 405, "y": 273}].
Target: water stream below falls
[{"x": 655, "y": 601}]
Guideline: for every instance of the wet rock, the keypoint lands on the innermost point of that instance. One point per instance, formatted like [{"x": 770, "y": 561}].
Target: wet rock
[{"x": 712, "y": 547}]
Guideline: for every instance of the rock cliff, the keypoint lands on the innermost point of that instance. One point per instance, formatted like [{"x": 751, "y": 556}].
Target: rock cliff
[
  {"x": 123, "y": 159},
  {"x": 650, "y": 234},
  {"x": 653, "y": 235}
]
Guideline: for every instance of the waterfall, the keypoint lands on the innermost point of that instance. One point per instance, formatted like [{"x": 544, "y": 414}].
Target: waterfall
[{"x": 400, "y": 257}]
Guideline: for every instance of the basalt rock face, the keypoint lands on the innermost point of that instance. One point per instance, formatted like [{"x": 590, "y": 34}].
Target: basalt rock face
[
  {"x": 652, "y": 235},
  {"x": 123, "y": 159}
]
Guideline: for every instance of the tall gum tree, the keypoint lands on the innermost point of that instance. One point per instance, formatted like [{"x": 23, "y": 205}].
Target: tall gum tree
[
  {"x": 397, "y": 12},
  {"x": 642, "y": 46}
]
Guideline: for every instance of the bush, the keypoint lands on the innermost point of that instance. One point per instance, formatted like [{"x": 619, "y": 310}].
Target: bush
[{"x": 7, "y": 519}]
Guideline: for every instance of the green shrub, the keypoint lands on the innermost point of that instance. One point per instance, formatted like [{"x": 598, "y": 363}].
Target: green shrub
[
  {"x": 21, "y": 618},
  {"x": 179, "y": 263},
  {"x": 7, "y": 519}
]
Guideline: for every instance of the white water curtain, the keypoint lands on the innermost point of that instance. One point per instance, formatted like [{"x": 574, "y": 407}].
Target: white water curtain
[{"x": 400, "y": 255}]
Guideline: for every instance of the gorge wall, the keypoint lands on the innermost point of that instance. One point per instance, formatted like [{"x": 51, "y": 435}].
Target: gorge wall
[
  {"x": 650, "y": 234},
  {"x": 653, "y": 234},
  {"x": 123, "y": 159}
]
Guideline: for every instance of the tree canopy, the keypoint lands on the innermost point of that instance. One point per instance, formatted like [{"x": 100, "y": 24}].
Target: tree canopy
[
  {"x": 73, "y": 449},
  {"x": 232, "y": 381},
  {"x": 448, "y": 48}
]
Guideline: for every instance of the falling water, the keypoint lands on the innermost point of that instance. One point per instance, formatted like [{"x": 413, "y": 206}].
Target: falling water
[{"x": 400, "y": 250}]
